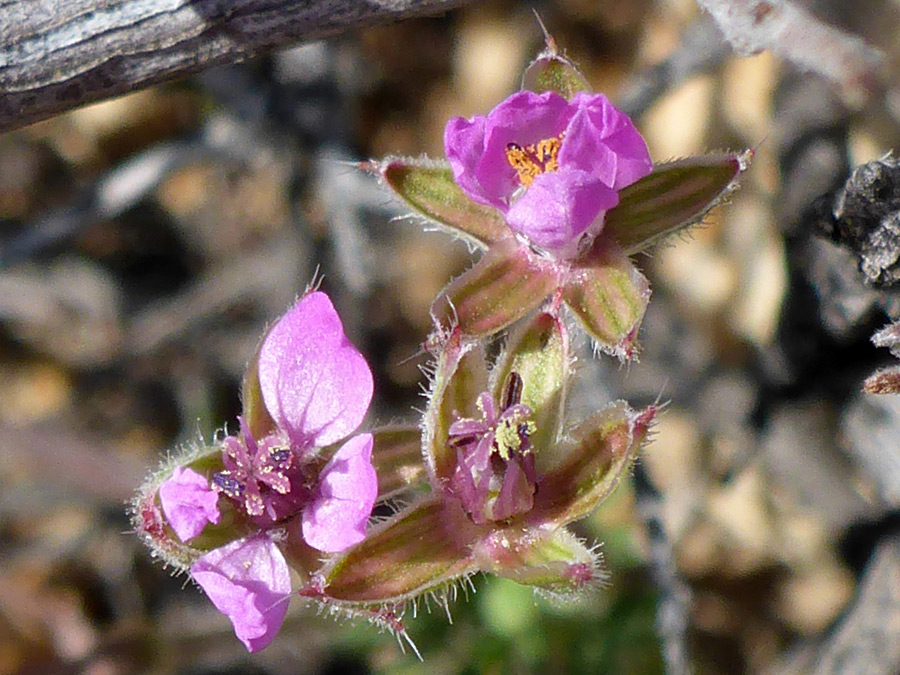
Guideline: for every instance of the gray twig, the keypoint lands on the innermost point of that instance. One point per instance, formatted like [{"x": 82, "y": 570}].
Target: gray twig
[
  {"x": 675, "y": 597},
  {"x": 59, "y": 54},
  {"x": 796, "y": 35}
]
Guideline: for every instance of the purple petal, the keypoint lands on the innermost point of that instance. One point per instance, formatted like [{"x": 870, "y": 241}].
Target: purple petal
[
  {"x": 468, "y": 427},
  {"x": 336, "y": 518},
  {"x": 604, "y": 142},
  {"x": 315, "y": 384},
  {"x": 476, "y": 148},
  {"x": 517, "y": 493},
  {"x": 188, "y": 502},
  {"x": 249, "y": 582},
  {"x": 471, "y": 481},
  {"x": 464, "y": 146},
  {"x": 559, "y": 206}
]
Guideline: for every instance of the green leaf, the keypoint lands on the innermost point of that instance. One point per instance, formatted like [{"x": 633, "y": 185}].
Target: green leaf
[
  {"x": 609, "y": 295},
  {"x": 539, "y": 352},
  {"x": 603, "y": 448},
  {"x": 551, "y": 71},
  {"x": 675, "y": 196},
  {"x": 460, "y": 376},
  {"x": 417, "y": 550},
  {"x": 506, "y": 284},
  {"x": 397, "y": 458},
  {"x": 429, "y": 188}
]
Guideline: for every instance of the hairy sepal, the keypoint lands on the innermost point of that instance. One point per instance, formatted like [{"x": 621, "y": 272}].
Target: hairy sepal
[
  {"x": 538, "y": 351},
  {"x": 595, "y": 459},
  {"x": 416, "y": 551},
  {"x": 460, "y": 375},
  {"x": 551, "y": 71},
  {"x": 397, "y": 458},
  {"x": 506, "y": 284},
  {"x": 428, "y": 187},
  {"x": 259, "y": 421},
  {"x": 675, "y": 196},
  {"x": 609, "y": 296},
  {"x": 556, "y": 562}
]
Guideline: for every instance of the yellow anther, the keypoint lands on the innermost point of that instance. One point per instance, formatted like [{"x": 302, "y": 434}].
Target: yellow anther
[
  {"x": 511, "y": 434},
  {"x": 532, "y": 160}
]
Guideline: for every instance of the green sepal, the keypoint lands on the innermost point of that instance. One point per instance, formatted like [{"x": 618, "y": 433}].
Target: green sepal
[
  {"x": 506, "y": 284},
  {"x": 557, "y": 562},
  {"x": 551, "y": 71},
  {"x": 428, "y": 186},
  {"x": 600, "y": 452},
  {"x": 412, "y": 553},
  {"x": 538, "y": 351},
  {"x": 609, "y": 296},
  {"x": 397, "y": 458},
  {"x": 460, "y": 375},
  {"x": 674, "y": 196},
  {"x": 253, "y": 408}
]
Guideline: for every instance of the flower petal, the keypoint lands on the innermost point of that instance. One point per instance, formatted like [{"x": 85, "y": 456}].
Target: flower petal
[
  {"x": 559, "y": 206},
  {"x": 476, "y": 148},
  {"x": 336, "y": 518},
  {"x": 188, "y": 502},
  {"x": 603, "y": 141},
  {"x": 315, "y": 384},
  {"x": 249, "y": 582},
  {"x": 524, "y": 118},
  {"x": 516, "y": 494},
  {"x": 464, "y": 147}
]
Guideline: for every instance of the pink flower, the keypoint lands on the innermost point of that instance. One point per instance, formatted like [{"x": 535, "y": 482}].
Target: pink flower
[
  {"x": 316, "y": 387},
  {"x": 249, "y": 582},
  {"x": 188, "y": 502},
  {"x": 551, "y": 166}
]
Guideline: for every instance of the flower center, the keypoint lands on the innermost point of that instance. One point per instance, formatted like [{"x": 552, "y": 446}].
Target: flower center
[
  {"x": 530, "y": 161},
  {"x": 512, "y": 433},
  {"x": 254, "y": 470},
  {"x": 495, "y": 477}
]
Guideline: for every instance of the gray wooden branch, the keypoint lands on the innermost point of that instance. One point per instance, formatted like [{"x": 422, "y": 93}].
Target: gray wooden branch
[{"x": 59, "y": 54}]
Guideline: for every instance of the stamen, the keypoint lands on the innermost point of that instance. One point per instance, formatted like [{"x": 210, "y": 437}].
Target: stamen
[
  {"x": 512, "y": 435},
  {"x": 532, "y": 160},
  {"x": 223, "y": 482},
  {"x": 280, "y": 458},
  {"x": 512, "y": 392}
]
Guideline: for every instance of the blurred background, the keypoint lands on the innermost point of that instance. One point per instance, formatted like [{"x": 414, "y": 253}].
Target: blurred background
[{"x": 145, "y": 242}]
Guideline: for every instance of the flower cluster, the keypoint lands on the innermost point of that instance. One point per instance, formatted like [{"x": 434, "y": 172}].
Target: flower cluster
[
  {"x": 278, "y": 480},
  {"x": 557, "y": 187}
]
